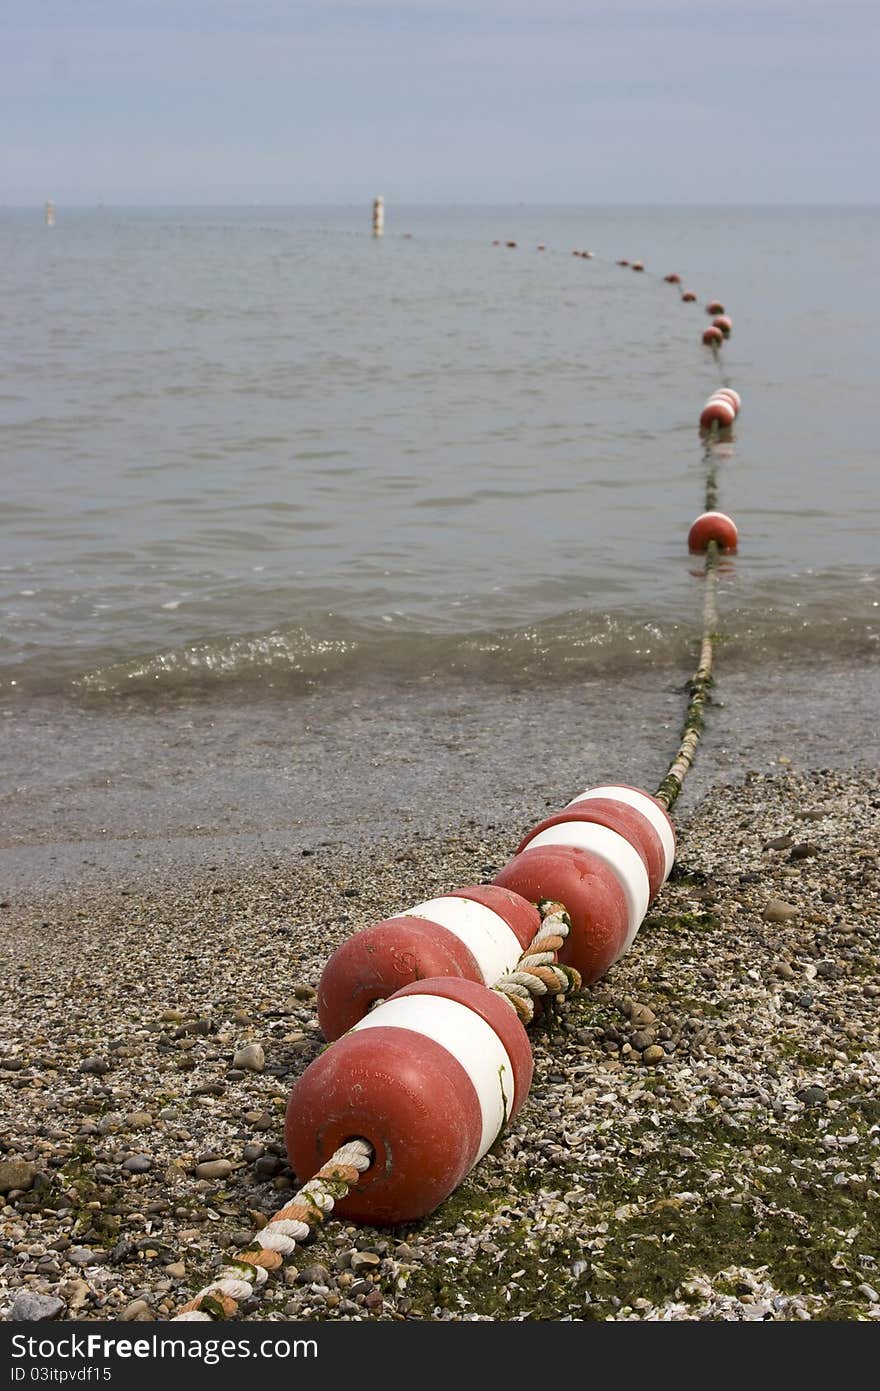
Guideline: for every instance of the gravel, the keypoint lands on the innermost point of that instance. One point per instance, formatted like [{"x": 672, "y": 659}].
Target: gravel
[{"x": 702, "y": 1140}]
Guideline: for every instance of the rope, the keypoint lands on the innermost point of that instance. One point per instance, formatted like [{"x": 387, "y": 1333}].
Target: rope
[
  {"x": 538, "y": 973},
  {"x": 296, "y": 1222}
]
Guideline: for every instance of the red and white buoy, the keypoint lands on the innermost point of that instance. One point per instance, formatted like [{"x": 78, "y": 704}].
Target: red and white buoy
[
  {"x": 627, "y": 821},
  {"x": 476, "y": 933},
  {"x": 618, "y": 853},
  {"x": 688, "y": 296},
  {"x": 713, "y": 526},
  {"x": 642, "y": 802},
  {"x": 727, "y": 393},
  {"x": 724, "y": 323},
  {"x": 718, "y": 410},
  {"x": 673, "y": 279},
  {"x": 592, "y": 894},
  {"x": 429, "y": 1079},
  {"x": 714, "y": 307},
  {"x": 638, "y": 265},
  {"x": 713, "y": 337}
]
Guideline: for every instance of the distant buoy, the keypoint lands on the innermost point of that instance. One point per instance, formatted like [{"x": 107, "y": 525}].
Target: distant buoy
[
  {"x": 728, "y": 393},
  {"x": 591, "y": 892},
  {"x": 429, "y": 1079},
  {"x": 713, "y": 337},
  {"x": 496, "y": 243},
  {"x": 713, "y": 526},
  {"x": 717, "y": 411},
  {"x": 510, "y": 243},
  {"x": 723, "y": 323},
  {"x": 714, "y": 307},
  {"x": 623, "y": 263},
  {"x": 672, "y": 279},
  {"x": 638, "y": 265},
  {"x": 688, "y": 296},
  {"x": 541, "y": 246}
]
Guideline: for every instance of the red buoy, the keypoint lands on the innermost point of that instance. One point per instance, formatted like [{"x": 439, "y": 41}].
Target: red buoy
[
  {"x": 587, "y": 255},
  {"x": 713, "y": 526},
  {"x": 714, "y": 307},
  {"x": 623, "y": 819},
  {"x": 713, "y": 337},
  {"x": 429, "y": 1079},
  {"x": 510, "y": 243},
  {"x": 653, "y": 811},
  {"x": 623, "y": 263},
  {"x": 727, "y": 393},
  {"x": 541, "y": 246},
  {"x": 477, "y": 933},
  {"x": 638, "y": 265},
  {"x": 672, "y": 279},
  {"x": 688, "y": 296},
  {"x": 590, "y": 891},
  {"x": 724, "y": 323},
  {"x": 496, "y": 243},
  {"x": 717, "y": 411}
]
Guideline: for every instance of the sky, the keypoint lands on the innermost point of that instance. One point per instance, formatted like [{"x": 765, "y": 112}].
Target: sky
[{"x": 492, "y": 101}]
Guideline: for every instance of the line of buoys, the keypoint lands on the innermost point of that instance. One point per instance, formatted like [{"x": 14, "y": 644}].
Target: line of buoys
[
  {"x": 713, "y": 526},
  {"x": 476, "y": 933},
  {"x": 429, "y": 1079},
  {"x": 428, "y": 1062},
  {"x": 605, "y": 862}
]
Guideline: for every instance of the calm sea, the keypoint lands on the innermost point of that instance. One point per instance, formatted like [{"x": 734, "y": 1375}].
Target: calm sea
[{"x": 253, "y": 447}]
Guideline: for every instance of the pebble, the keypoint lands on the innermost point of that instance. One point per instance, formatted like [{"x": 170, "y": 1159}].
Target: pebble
[
  {"x": 138, "y": 1164},
  {"x": 365, "y": 1260},
  {"x": 812, "y": 1096},
  {"x": 16, "y": 1173},
  {"x": 96, "y": 1065},
  {"x": 777, "y": 911},
  {"x": 30, "y": 1307},
  {"x": 214, "y": 1169},
  {"x": 249, "y": 1058},
  {"x": 84, "y": 1255},
  {"x": 654, "y": 1054},
  {"x": 138, "y": 1311}
]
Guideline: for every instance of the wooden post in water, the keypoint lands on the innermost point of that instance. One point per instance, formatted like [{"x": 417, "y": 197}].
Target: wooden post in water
[
  {"x": 378, "y": 216},
  {"x": 50, "y": 213}
]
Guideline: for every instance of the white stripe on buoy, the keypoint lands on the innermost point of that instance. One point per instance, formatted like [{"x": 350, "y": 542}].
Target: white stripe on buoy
[
  {"x": 643, "y": 803},
  {"x": 621, "y": 857},
  {"x": 470, "y": 1040},
  {"x": 486, "y": 935}
]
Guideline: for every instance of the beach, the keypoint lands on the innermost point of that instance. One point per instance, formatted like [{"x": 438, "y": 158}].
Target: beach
[{"x": 734, "y": 1178}]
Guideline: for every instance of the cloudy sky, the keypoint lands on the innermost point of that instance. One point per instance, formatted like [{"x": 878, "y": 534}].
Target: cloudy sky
[{"x": 311, "y": 101}]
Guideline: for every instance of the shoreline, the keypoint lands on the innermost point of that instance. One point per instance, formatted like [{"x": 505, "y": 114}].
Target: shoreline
[
  {"x": 94, "y": 799},
  {"x": 733, "y": 1180}
]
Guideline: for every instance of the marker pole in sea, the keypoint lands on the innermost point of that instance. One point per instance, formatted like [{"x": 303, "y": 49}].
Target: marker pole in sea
[
  {"x": 378, "y": 216},
  {"x": 50, "y": 213}
]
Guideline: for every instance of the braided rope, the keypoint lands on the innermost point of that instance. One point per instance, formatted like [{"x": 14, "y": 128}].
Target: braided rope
[
  {"x": 538, "y": 973},
  {"x": 296, "y": 1222}
]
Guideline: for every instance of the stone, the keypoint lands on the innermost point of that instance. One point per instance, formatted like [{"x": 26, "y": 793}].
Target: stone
[
  {"x": 30, "y": 1307},
  {"x": 780, "y": 843},
  {"x": 642, "y": 1038},
  {"x": 138, "y": 1120},
  {"x": 654, "y": 1054},
  {"x": 364, "y": 1260},
  {"x": 138, "y": 1311},
  {"x": 250, "y": 1058},
  {"x": 137, "y": 1163},
  {"x": 16, "y": 1173},
  {"x": 214, "y": 1169},
  {"x": 777, "y": 911},
  {"x": 97, "y": 1065},
  {"x": 804, "y": 851},
  {"x": 812, "y": 1096},
  {"x": 177, "y": 1270},
  {"x": 84, "y": 1255}
]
